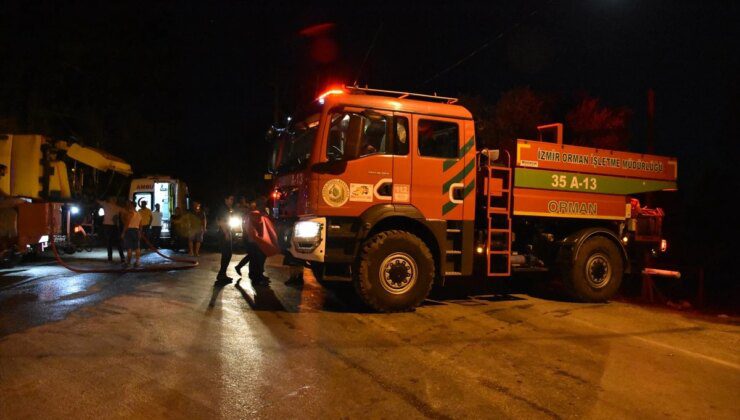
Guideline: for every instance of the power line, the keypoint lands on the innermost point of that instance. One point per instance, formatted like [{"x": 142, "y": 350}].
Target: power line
[
  {"x": 367, "y": 54},
  {"x": 485, "y": 45}
]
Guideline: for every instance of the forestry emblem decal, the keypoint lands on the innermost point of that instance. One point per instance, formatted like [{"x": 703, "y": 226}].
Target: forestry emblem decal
[{"x": 335, "y": 192}]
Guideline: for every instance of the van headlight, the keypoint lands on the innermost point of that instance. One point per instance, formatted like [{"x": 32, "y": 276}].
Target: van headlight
[
  {"x": 235, "y": 222},
  {"x": 307, "y": 235}
]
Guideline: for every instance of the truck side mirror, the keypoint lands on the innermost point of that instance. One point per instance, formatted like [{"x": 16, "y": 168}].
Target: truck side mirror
[
  {"x": 492, "y": 155},
  {"x": 354, "y": 136}
]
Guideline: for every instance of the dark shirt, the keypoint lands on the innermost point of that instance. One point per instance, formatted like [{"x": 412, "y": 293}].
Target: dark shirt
[{"x": 222, "y": 216}]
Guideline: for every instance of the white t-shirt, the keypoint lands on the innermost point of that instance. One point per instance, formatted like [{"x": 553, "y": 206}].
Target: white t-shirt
[{"x": 156, "y": 218}]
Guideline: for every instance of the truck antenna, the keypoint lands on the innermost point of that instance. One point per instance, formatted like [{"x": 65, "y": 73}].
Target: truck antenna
[{"x": 367, "y": 54}]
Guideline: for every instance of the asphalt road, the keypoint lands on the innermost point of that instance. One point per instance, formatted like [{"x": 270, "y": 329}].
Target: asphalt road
[{"x": 171, "y": 345}]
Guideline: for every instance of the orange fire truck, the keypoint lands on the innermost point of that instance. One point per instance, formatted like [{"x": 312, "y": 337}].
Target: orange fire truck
[{"x": 388, "y": 190}]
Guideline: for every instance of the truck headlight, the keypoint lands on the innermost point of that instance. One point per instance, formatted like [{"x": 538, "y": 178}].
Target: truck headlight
[
  {"x": 307, "y": 230},
  {"x": 306, "y": 236},
  {"x": 235, "y": 222}
]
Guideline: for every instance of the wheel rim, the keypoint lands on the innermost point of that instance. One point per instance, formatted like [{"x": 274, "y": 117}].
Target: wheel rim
[
  {"x": 398, "y": 273},
  {"x": 598, "y": 270}
]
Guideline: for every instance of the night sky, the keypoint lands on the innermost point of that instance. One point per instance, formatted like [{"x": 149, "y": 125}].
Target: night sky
[{"x": 189, "y": 88}]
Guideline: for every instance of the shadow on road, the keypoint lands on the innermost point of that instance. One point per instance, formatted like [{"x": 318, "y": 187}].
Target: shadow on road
[
  {"x": 263, "y": 298},
  {"x": 215, "y": 296}
]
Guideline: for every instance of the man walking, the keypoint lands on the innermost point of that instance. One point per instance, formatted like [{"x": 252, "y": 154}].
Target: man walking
[
  {"x": 256, "y": 230},
  {"x": 224, "y": 238},
  {"x": 156, "y": 225},
  {"x": 246, "y": 209},
  {"x": 111, "y": 220}
]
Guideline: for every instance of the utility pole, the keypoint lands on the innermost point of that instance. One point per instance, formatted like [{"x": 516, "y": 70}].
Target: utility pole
[
  {"x": 650, "y": 133},
  {"x": 650, "y": 121}
]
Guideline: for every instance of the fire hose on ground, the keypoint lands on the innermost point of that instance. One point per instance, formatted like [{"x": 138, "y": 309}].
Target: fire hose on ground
[{"x": 189, "y": 263}]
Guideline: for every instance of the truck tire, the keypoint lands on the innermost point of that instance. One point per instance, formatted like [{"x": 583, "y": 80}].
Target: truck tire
[
  {"x": 396, "y": 271},
  {"x": 596, "y": 274}
]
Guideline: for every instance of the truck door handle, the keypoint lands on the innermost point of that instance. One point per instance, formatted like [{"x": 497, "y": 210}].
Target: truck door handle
[
  {"x": 384, "y": 189},
  {"x": 456, "y": 192}
]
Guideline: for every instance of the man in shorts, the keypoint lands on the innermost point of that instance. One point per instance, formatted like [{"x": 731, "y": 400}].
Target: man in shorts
[
  {"x": 131, "y": 233},
  {"x": 146, "y": 219}
]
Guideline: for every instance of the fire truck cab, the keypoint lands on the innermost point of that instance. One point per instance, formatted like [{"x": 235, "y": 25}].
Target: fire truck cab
[{"x": 387, "y": 190}]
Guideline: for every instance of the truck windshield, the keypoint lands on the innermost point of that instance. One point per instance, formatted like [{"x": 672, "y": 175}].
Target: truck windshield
[{"x": 293, "y": 147}]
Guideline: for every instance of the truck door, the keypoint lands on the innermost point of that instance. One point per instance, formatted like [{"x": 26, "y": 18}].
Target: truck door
[
  {"x": 438, "y": 167},
  {"x": 401, "y": 158},
  {"x": 349, "y": 187}
]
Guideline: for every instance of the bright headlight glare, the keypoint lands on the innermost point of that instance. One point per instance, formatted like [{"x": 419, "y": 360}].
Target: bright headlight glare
[
  {"x": 74, "y": 209},
  {"x": 306, "y": 230},
  {"x": 234, "y": 222}
]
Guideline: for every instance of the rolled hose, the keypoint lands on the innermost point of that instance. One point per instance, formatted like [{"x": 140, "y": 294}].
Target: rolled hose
[{"x": 144, "y": 269}]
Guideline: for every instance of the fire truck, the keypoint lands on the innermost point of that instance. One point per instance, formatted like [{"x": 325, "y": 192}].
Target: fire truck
[{"x": 389, "y": 191}]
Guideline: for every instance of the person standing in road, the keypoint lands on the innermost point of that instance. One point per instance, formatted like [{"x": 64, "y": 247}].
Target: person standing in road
[
  {"x": 197, "y": 229},
  {"x": 132, "y": 234},
  {"x": 111, "y": 218},
  {"x": 156, "y": 225},
  {"x": 224, "y": 237},
  {"x": 146, "y": 219}
]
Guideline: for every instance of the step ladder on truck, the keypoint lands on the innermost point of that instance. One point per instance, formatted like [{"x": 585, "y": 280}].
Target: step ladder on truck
[{"x": 388, "y": 190}]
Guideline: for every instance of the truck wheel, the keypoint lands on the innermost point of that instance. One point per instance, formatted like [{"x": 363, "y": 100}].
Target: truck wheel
[
  {"x": 595, "y": 276},
  {"x": 396, "y": 271}
]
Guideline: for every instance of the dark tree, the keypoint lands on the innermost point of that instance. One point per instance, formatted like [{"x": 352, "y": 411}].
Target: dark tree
[{"x": 590, "y": 123}]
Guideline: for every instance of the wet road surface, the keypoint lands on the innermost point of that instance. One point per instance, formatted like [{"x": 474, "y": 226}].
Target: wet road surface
[{"x": 156, "y": 345}]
